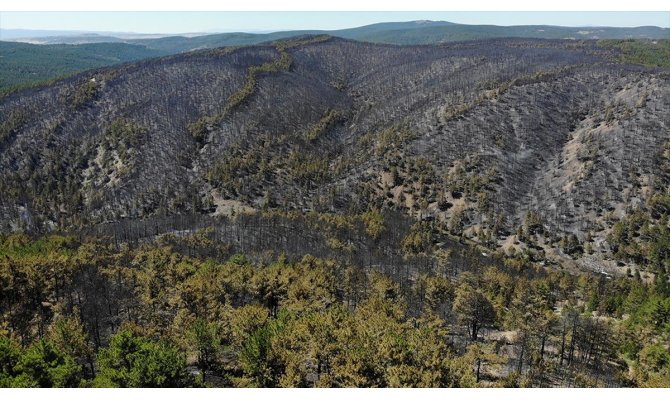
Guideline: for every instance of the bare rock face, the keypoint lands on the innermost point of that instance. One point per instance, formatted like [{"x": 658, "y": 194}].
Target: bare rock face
[{"x": 474, "y": 136}]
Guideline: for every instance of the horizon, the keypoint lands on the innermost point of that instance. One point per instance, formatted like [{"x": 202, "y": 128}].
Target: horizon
[{"x": 191, "y": 22}]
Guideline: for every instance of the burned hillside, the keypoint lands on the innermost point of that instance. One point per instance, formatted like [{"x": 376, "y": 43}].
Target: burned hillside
[{"x": 518, "y": 145}]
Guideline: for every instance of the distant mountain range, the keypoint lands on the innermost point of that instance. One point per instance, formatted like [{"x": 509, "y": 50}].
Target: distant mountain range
[
  {"x": 411, "y": 32},
  {"x": 65, "y": 52},
  {"x": 45, "y": 36}
]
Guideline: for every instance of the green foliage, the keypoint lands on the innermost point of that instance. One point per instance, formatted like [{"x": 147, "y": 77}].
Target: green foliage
[
  {"x": 204, "y": 338},
  {"x": 132, "y": 360},
  {"x": 20, "y": 245},
  {"x": 43, "y": 365},
  {"x": 651, "y": 53},
  {"x": 26, "y": 65},
  {"x": 256, "y": 356},
  {"x": 68, "y": 334},
  {"x": 10, "y": 354}
]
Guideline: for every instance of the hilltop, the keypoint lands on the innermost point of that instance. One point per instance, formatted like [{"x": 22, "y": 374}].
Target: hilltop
[{"x": 52, "y": 59}]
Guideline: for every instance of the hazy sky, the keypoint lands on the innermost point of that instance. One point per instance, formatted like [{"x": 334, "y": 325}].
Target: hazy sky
[{"x": 224, "y": 21}]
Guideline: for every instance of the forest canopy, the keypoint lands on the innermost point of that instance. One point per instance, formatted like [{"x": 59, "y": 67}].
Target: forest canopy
[{"x": 85, "y": 313}]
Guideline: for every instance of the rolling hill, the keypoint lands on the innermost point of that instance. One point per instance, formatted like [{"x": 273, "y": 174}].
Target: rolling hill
[
  {"x": 26, "y": 64},
  {"x": 20, "y": 68}
]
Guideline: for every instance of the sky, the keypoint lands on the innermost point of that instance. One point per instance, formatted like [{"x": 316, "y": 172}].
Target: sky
[{"x": 258, "y": 21}]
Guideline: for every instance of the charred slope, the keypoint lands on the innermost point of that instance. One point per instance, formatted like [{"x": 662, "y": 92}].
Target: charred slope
[{"x": 475, "y": 136}]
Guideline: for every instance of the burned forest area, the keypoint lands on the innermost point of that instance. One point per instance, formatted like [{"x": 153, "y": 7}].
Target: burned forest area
[{"x": 322, "y": 212}]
